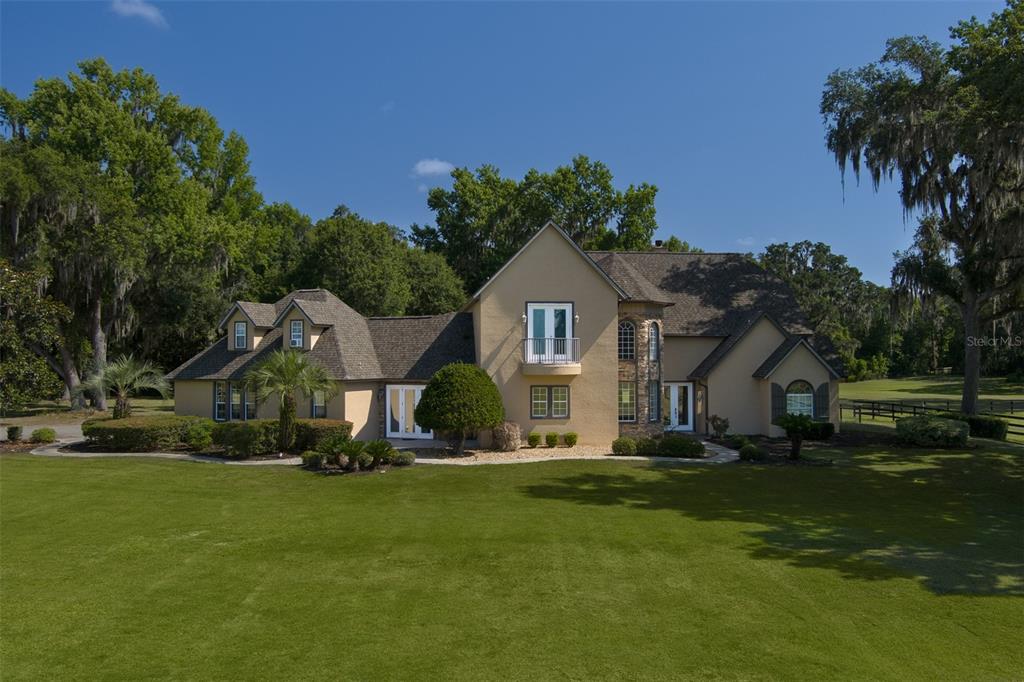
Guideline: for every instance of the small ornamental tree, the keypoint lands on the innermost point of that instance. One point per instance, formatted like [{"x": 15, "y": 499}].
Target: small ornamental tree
[
  {"x": 798, "y": 427},
  {"x": 459, "y": 399},
  {"x": 282, "y": 375}
]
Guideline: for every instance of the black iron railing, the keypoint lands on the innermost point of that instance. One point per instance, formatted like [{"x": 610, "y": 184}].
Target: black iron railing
[{"x": 551, "y": 351}]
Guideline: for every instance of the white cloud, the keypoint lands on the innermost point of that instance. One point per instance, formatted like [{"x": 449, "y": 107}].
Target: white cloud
[
  {"x": 426, "y": 167},
  {"x": 146, "y": 11},
  {"x": 746, "y": 241}
]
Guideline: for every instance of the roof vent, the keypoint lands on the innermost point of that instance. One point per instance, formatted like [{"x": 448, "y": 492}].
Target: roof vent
[{"x": 658, "y": 244}]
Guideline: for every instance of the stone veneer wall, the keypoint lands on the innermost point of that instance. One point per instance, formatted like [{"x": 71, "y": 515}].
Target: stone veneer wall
[{"x": 642, "y": 370}]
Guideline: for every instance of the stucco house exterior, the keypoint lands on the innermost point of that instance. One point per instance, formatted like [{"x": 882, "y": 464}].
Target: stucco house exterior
[{"x": 600, "y": 343}]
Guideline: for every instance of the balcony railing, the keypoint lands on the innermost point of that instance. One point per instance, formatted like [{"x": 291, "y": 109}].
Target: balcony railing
[{"x": 551, "y": 351}]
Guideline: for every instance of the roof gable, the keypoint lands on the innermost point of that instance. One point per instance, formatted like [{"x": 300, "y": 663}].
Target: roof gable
[
  {"x": 550, "y": 225},
  {"x": 784, "y": 350}
]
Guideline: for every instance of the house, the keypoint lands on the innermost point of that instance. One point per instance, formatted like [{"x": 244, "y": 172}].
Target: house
[{"x": 600, "y": 343}]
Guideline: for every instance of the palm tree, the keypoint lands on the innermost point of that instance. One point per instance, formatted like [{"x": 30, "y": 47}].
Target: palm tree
[
  {"x": 283, "y": 374},
  {"x": 124, "y": 378}
]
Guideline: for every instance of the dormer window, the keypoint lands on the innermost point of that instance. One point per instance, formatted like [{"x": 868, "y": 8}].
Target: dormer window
[
  {"x": 295, "y": 338},
  {"x": 240, "y": 333}
]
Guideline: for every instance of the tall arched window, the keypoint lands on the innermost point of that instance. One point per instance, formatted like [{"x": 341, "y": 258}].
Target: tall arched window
[
  {"x": 627, "y": 341},
  {"x": 800, "y": 398},
  {"x": 654, "y": 342}
]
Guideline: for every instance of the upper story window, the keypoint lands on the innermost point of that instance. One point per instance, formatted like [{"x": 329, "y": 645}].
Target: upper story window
[
  {"x": 800, "y": 398},
  {"x": 295, "y": 335},
  {"x": 654, "y": 342},
  {"x": 240, "y": 334},
  {"x": 627, "y": 341}
]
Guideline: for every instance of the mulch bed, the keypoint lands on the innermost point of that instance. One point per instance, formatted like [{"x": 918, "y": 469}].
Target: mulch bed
[{"x": 17, "y": 446}]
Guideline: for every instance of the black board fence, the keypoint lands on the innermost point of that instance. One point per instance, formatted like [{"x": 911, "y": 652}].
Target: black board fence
[{"x": 1011, "y": 411}]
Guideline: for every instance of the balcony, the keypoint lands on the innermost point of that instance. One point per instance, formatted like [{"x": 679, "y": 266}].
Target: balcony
[{"x": 551, "y": 356}]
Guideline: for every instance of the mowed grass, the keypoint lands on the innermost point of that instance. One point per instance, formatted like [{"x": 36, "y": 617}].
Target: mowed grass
[
  {"x": 893, "y": 565},
  {"x": 929, "y": 388}
]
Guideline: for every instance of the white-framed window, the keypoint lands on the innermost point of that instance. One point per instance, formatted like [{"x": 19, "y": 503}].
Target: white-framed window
[
  {"x": 240, "y": 336},
  {"x": 653, "y": 400},
  {"x": 319, "y": 410},
  {"x": 549, "y": 402},
  {"x": 235, "y": 391},
  {"x": 627, "y": 401},
  {"x": 627, "y": 340},
  {"x": 800, "y": 398},
  {"x": 250, "y": 403},
  {"x": 295, "y": 334},
  {"x": 220, "y": 401},
  {"x": 654, "y": 342}
]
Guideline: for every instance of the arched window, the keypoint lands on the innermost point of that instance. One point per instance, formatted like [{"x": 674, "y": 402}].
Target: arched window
[
  {"x": 654, "y": 342},
  {"x": 800, "y": 398},
  {"x": 627, "y": 341}
]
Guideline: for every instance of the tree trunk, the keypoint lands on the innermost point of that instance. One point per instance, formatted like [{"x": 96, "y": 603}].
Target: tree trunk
[
  {"x": 122, "y": 408},
  {"x": 286, "y": 423},
  {"x": 795, "y": 441},
  {"x": 972, "y": 352},
  {"x": 99, "y": 349},
  {"x": 71, "y": 379}
]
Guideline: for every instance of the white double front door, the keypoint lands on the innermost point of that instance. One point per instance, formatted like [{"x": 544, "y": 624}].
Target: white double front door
[
  {"x": 677, "y": 406},
  {"x": 401, "y": 406}
]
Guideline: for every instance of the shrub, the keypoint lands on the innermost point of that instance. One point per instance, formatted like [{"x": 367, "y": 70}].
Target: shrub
[
  {"x": 982, "y": 426},
  {"x": 404, "y": 458},
  {"x": 309, "y": 433},
  {"x": 798, "y": 428},
  {"x": 551, "y": 439},
  {"x": 624, "y": 445},
  {"x": 752, "y": 453},
  {"x": 821, "y": 431},
  {"x": 928, "y": 431},
  {"x": 248, "y": 438},
  {"x": 533, "y": 439},
  {"x": 647, "y": 447},
  {"x": 720, "y": 425},
  {"x": 680, "y": 446},
  {"x": 138, "y": 434},
  {"x": 460, "y": 398},
  {"x": 198, "y": 435},
  {"x": 380, "y": 452},
  {"x": 736, "y": 441},
  {"x": 363, "y": 461},
  {"x": 571, "y": 438},
  {"x": 43, "y": 435},
  {"x": 13, "y": 433},
  {"x": 508, "y": 437},
  {"x": 313, "y": 459}
]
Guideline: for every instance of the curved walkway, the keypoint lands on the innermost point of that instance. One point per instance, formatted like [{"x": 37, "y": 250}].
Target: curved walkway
[{"x": 721, "y": 456}]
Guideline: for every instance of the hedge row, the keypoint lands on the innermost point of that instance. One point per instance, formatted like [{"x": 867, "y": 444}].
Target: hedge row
[
  {"x": 666, "y": 446},
  {"x": 929, "y": 431},
  {"x": 259, "y": 436},
  {"x": 141, "y": 434},
  {"x": 982, "y": 426}
]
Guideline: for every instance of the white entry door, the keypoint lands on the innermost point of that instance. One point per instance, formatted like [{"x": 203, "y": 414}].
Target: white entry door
[
  {"x": 677, "y": 406},
  {"x": 401, "y": 405}
]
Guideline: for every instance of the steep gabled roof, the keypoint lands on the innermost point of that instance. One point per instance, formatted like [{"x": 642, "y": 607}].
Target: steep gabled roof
[
  {"x": 416, "y": 347},
  {"x": 550, "y": 225},
  {"x": 728, "y": 343},
  {"x": 784, "y": 350}
]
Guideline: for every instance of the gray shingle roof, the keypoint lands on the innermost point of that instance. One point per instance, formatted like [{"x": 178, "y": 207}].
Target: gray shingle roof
[
  {"x": 261, "y": 314},
  {"x": 351, "y": 347},
  {"x": 777, "y": 356}
]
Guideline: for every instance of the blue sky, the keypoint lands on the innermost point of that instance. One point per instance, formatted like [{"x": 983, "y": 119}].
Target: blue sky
[{"x": 368, "y": 104}]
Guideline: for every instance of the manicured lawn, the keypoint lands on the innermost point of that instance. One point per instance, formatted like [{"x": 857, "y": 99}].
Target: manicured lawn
[
  {"x": 928, "y": 388},
  {"x": 890, "y": 565}
]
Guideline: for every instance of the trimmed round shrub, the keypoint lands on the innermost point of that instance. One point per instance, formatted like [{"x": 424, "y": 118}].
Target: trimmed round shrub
[
  {"x": 248, "y": 438},
  {"x": 309, "y": 433},
  {"x": 380, "y": 452},
  {"x": 404, "y": 458},
  {"x": 43, "y": 435},
  {"x": 647, "y": 447},
  {"x": 551, "y": 439},
  {"x": 680, "y": 446},
  {"x": 736, "y": 441},
  {"x": 138, "y": 434},
  {"x": 624, "y": 445},
  {"x": 752, "y": 453},
  {"x": 13, "y": 433},
  {"x": 928, "y": 431},
  {"x": 982, "y": 426},
  {"x": 571, "y": 438},
  {"x": 198, "y": 435},
  {"x": 459, "y": 399},
  {"x": 533, "y": 439},
  {"x": 313, "y": 459},
  {"x": 508, "y": 437}
]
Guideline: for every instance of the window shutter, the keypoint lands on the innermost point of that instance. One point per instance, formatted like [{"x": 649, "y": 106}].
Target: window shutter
[
  {"x": 778, "y": 402},
  {"x": 821, "y": 402}
]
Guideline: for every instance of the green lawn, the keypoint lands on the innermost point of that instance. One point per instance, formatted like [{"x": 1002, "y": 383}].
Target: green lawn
[
  {"x": 890, "y": 565},
  {"x": 928, "y": 388}
]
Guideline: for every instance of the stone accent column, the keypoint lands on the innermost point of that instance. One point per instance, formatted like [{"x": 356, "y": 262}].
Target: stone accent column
[{"x": 642, "y": 369}]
